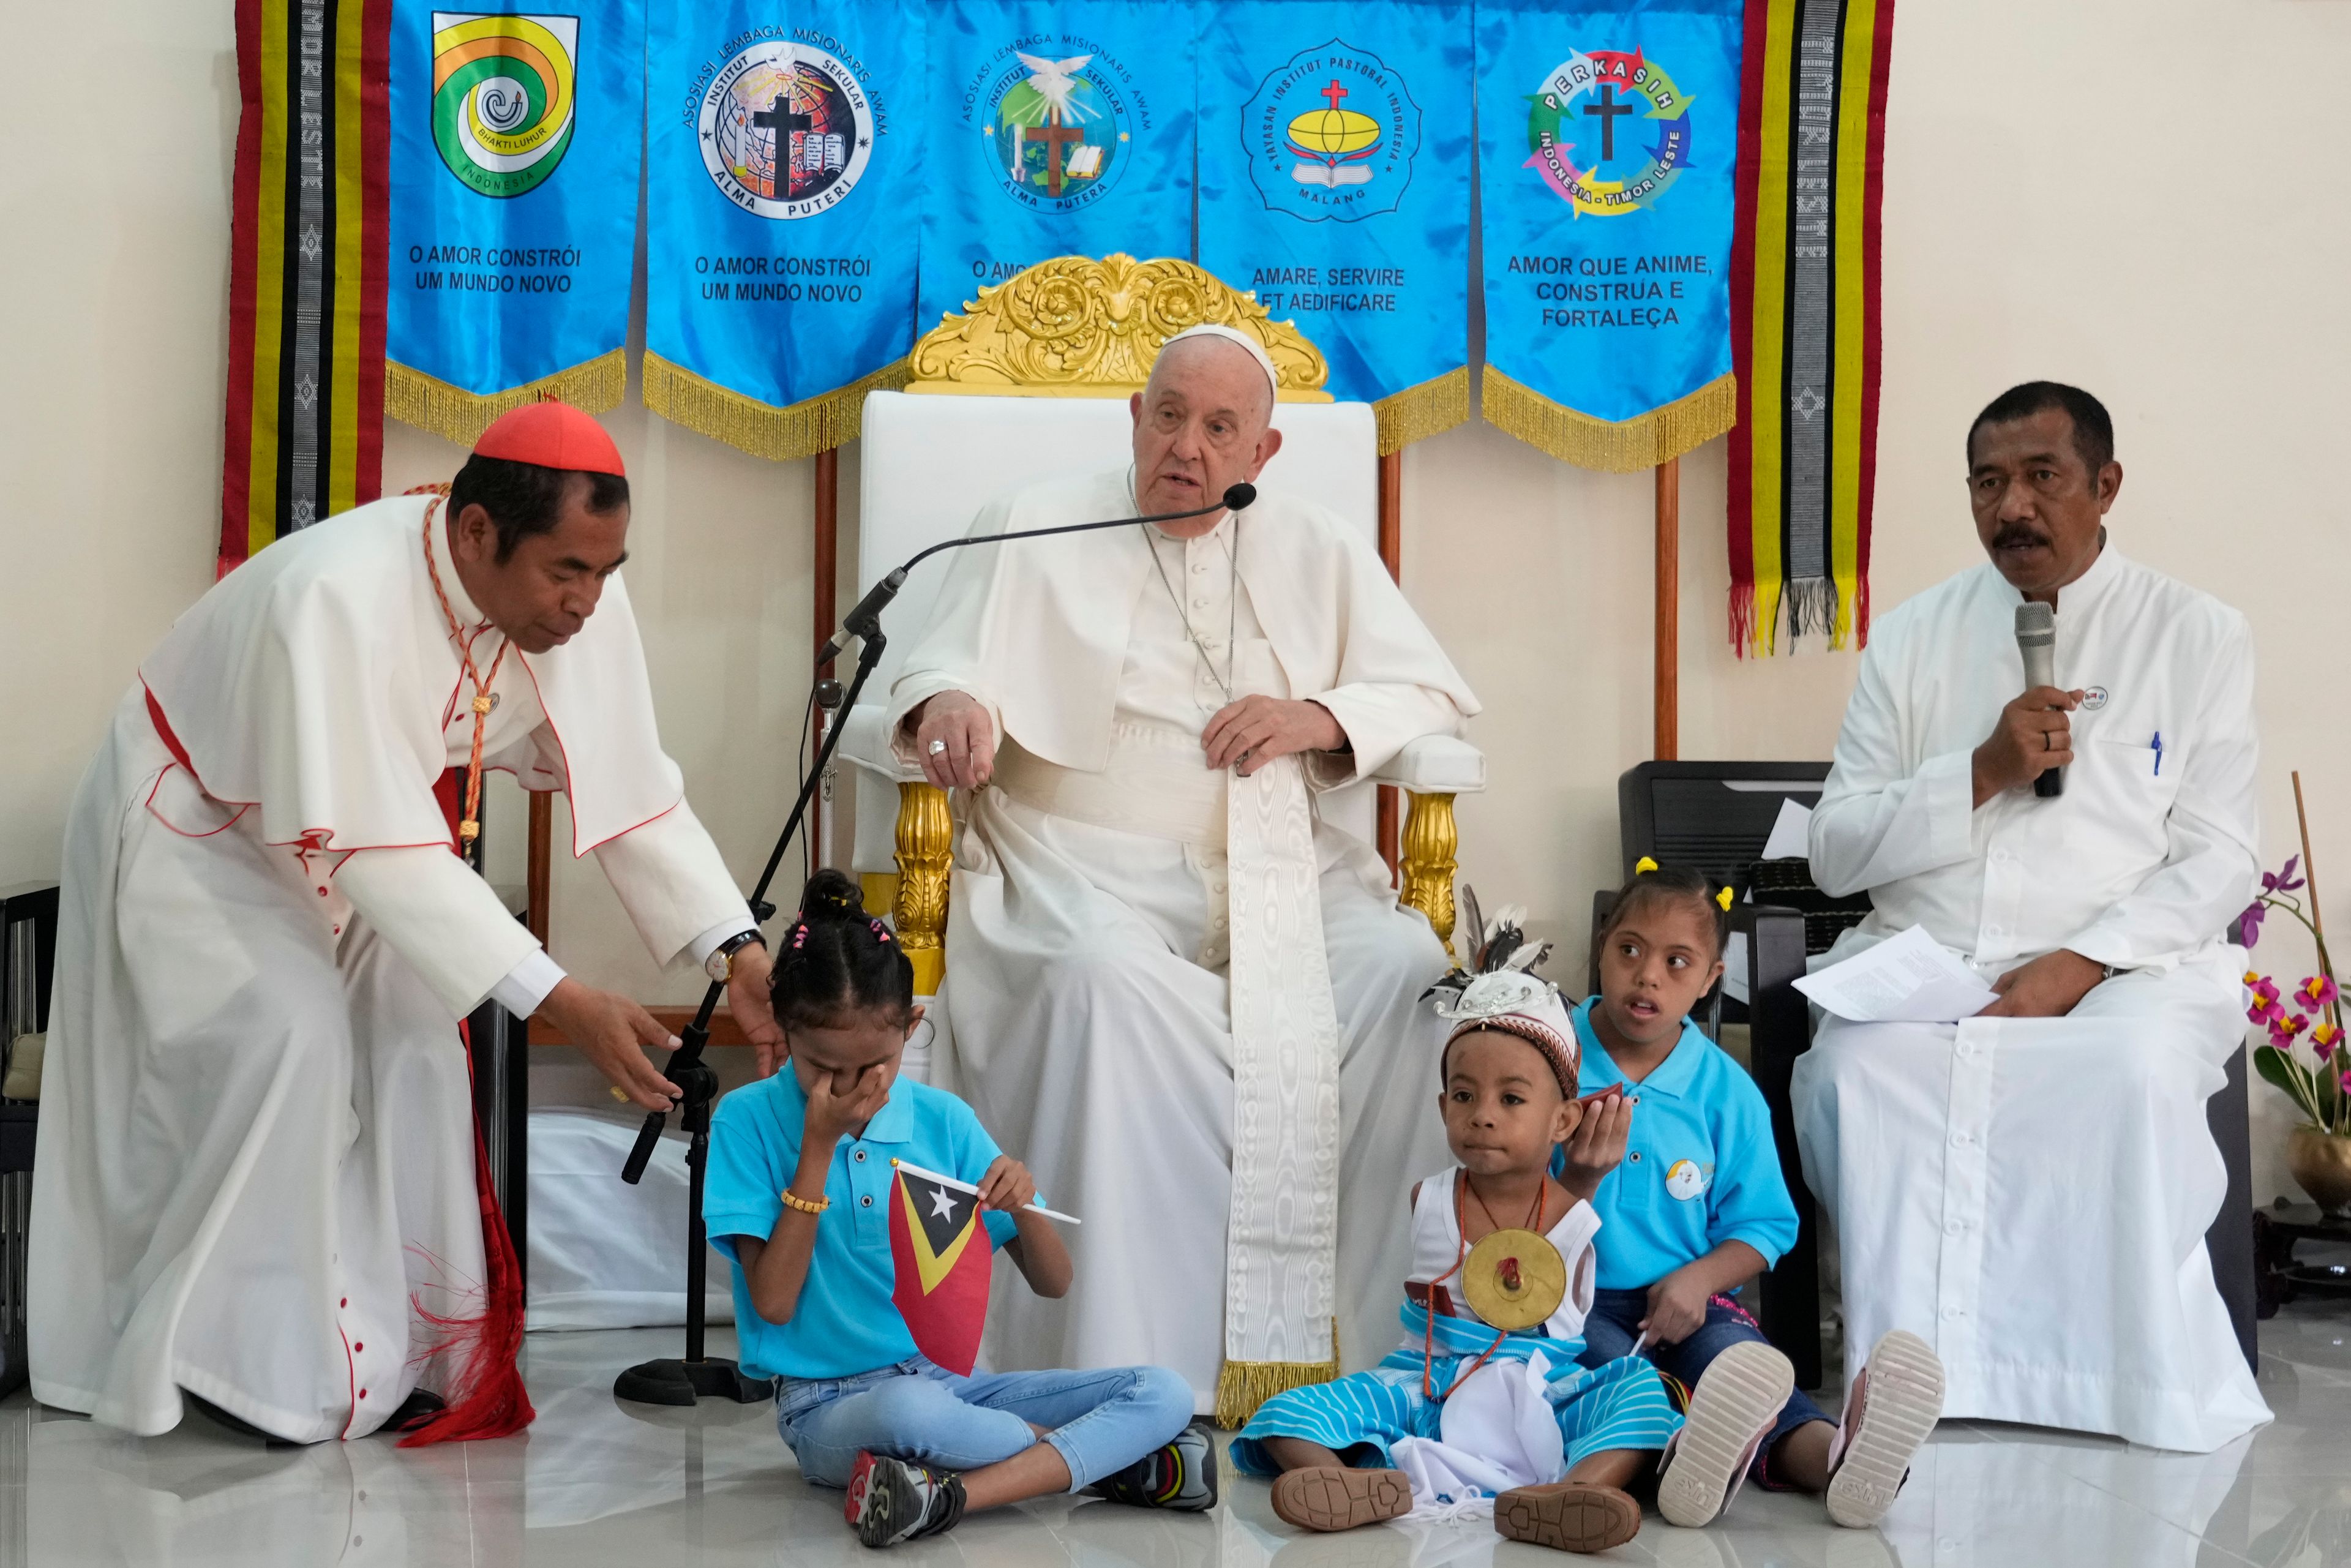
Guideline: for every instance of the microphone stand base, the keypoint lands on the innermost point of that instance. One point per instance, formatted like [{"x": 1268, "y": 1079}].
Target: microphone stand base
[{"x": 672, "y": 1382}]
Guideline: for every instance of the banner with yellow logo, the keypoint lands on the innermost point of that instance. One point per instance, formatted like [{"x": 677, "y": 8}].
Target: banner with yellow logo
[{"x": 516, "y": 142}]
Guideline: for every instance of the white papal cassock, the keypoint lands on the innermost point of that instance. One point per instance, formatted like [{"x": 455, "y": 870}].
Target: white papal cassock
[
  {"x": 256, "y": 1152},
  {"x": 1152, "y": 962},
  {"x": 2031, "y": 1195}
]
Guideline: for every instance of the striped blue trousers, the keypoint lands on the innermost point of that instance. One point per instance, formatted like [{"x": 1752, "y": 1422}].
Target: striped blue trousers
[{"x": 1620, "y": 1404}]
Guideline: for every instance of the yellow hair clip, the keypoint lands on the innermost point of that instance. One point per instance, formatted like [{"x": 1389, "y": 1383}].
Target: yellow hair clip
[
  {"x": 1723, "y": 898},
  {"x": 1644, "y": 865}
]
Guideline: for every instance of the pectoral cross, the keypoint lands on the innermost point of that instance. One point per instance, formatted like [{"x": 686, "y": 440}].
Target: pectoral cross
[
  {"x": 1055, "y": 136},
  {"x": 1607, "y": 108}
]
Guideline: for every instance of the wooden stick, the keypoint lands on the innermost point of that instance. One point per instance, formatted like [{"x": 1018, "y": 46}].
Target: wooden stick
[
  {"x": 539, "y": 864},
  {"x": 827, "y": 565},
  {"x": 2309, "y": 871},
  {"x": 1667, "y": 629},
  {"x": 1391, "y": 556}
]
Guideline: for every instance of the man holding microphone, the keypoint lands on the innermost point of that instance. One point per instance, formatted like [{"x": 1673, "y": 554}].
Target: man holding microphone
[{"x": 2030, "y": 1188}]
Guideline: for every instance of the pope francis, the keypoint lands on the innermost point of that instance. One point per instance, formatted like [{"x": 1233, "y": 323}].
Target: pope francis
[
  {"x": 256, "y": 1181},
  {"x": 1190, "y": 1004}
]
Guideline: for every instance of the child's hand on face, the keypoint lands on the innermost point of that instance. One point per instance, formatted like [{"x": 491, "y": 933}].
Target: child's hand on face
[
  {"x": 1676, "y": 1307},
  {"x": 833, "y": 1111},
  {"x": 1007, "y": 1185},
  {"x": 1596, "y": 1145}
]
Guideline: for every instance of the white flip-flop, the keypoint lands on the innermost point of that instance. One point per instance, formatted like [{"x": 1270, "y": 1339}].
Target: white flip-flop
[
  {"x": 1736, "y": 1403},
  {"x": 1894, "y": 1403}
]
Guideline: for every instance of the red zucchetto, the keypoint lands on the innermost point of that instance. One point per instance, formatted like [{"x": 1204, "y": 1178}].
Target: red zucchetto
[{"x": 552, "y": 435}]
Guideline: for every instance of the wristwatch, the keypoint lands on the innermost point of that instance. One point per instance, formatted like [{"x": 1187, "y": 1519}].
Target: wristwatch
[{"x": 720, "y": 965}]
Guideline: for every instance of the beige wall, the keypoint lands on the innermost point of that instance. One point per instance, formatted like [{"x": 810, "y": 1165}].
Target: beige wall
[{"x": 2056, "y": 207}]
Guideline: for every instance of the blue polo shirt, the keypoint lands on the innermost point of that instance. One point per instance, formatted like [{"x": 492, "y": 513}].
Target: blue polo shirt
[
  {"x": 1699, "y": 1167},
  {"x": 845, "y": 1322}
]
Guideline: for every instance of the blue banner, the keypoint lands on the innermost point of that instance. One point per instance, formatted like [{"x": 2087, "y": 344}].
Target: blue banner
[
  {"x": 1608, "y": 140},
  {"x": 784, "y": 146},
  {"x": 1334, "y": 185},
  {"x": 510, "y": 258},
  {"x": 1055, "y": 130}
]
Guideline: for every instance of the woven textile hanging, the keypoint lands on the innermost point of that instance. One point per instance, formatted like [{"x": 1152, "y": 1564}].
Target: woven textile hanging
[{"x": 1804, "y": 320}]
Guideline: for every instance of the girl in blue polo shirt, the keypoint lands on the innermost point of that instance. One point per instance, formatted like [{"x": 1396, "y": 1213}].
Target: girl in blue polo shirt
[
  {"x": 1698, "y": 1209},
  {"x": 798, "y": 1198}
]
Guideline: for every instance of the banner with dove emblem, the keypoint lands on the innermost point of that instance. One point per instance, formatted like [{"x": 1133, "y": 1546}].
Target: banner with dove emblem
[
  {"x": 516, "y": 142},
  {"x": 784, "y": 154},
  {"x": 1334, "y": 185},
  {"x": 1055, "y": 128},
  {"x": 1607, "y": 140}
]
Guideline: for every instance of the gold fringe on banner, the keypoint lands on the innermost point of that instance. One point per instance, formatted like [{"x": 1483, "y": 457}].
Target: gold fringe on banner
[
  {"x": 761, "y": 429},
  {"x": 1415, "y": 414},
  {"x": 455, "y": 414},
  {"x": 1243, "y": 1385},
  {"x": 1588, "y": 443}
]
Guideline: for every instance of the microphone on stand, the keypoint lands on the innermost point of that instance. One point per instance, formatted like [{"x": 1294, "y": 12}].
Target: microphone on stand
[
  {"x": 866, "y": 614},
  {"x": 2036, "y": 639}
]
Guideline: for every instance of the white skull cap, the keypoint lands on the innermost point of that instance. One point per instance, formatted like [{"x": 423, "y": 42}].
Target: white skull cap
[
  {"x": 1233, "y": 335},
  {"x": 1515, "y": 1002}
]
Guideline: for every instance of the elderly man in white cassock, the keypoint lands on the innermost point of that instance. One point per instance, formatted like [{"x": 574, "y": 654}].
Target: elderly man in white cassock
[
  {"x": 1187, "y": 1001},
  {"x": 257, "y": 1184},
  {"x": 2030, "y": 1188}
]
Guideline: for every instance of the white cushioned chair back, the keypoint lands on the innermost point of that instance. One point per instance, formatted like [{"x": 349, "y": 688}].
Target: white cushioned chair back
[{"x": 928, "y": 462}]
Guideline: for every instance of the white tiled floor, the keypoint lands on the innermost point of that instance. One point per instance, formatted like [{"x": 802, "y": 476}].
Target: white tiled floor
[{"x": 597, "y": 1483}]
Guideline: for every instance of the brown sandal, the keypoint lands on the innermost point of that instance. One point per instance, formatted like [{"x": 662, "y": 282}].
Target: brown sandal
[
  {"x": 1329, "y": 1497},
  {"x": 1568, "y": 1516}
]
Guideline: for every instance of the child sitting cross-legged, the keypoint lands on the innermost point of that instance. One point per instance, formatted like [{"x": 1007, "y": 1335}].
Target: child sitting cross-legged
[
  {"x": 1699, "y": 1208},
  {"x": 799, "y": 1193},
  {"x": 1507, "y": 1095}
]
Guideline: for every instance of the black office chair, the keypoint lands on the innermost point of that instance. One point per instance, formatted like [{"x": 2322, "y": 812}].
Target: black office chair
[
  {"x": 28, "y": 951},
  {"x": 1657, "y": 803}
]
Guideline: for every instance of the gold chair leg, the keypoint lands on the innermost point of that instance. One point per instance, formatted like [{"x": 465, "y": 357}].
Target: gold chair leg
[
  {"x": 926, "y": 837},
  {"x": 1430, "y": 840}
]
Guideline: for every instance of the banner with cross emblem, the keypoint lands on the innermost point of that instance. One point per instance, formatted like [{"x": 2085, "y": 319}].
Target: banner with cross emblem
[
  {"x": 783, "y": 155},
  {"x": 1060, "y": 128},
  {"x": 1334, "y": 185},
  {"x": 1607, "y": 140}
]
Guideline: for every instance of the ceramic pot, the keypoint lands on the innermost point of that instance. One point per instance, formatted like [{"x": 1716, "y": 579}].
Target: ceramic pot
[{"x": 2320, "y": 1164}]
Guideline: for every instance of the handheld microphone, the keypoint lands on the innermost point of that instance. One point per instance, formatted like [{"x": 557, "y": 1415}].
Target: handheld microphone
[
  {"x": 2036, "y": 639},
  {"x": 861, "y": 621}
]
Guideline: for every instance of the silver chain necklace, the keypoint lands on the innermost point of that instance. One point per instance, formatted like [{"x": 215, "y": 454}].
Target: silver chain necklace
[{"x": 1232, "y": 598}]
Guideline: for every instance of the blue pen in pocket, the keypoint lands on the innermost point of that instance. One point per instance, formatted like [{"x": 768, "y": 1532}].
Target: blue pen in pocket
[{"x": 2157, "y": 744}]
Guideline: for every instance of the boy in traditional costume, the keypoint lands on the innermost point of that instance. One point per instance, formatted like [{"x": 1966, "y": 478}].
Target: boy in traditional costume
[{"x": 1484, "y": 1397}]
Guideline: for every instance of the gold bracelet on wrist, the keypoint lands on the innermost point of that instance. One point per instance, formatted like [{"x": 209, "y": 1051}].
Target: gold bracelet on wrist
[{"x": 795, "y": 1200}]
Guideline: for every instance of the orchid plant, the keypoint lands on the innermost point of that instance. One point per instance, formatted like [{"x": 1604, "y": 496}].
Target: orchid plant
[{"x": 2322, "y": 1091}]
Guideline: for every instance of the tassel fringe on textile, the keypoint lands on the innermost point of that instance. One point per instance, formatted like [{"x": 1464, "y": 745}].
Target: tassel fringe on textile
[
  {"x": 454, "y": 415},
  {"x": 1661, "y": 434},
  {"x": 1243, "y": 1385},
  {"x": 485, "y": 1393},
  {"x": 1415, "y": 414},
  {"x": 1836, "y": 607},
  {"x": 763, "y": 430}
]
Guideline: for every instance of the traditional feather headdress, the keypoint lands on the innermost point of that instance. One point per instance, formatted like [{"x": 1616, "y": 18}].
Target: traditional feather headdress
[{"x": 1498, "y": 990}]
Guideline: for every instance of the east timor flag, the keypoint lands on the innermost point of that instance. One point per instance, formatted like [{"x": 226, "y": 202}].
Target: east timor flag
[{"x": 941, "y": 1251}]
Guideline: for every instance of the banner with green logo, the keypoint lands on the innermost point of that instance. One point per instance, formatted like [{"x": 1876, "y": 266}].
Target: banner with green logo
[
  {"x": 515, "y": 149},
  {"x": 1334, "y": 185},
  {"x": 1608, "y": 138},
  {"x": 1055, "y": 128}
]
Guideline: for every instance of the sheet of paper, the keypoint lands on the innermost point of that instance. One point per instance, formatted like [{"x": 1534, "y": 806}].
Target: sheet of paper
[
  {"x": 1734, "y": 966},
  {"x": 1908, "y": 978},
  {"x": 1792, "y": 832}
]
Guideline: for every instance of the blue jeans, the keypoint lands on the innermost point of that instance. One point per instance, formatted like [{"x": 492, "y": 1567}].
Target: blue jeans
[
  {"x": 1615, "y": 1323},
  {"x": 1100, "y": 1421}
]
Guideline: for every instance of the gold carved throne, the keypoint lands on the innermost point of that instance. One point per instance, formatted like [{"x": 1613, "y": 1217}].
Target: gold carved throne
[{"x": 1053, "y": 355}]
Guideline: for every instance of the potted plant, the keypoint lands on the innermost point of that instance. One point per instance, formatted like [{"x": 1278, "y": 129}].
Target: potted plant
[{"x": 2318, "y": 1152}]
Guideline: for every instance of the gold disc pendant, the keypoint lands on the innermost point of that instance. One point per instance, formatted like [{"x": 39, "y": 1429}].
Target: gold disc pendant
[{"x": 1515, "y": 1279}]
